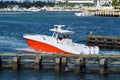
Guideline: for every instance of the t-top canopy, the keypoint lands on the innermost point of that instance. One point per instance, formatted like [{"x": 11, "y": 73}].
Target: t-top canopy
[{"x": 59, "y": 29}]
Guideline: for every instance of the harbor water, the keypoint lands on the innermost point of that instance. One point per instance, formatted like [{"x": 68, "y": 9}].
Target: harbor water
[{"x": 13, "y": 25}]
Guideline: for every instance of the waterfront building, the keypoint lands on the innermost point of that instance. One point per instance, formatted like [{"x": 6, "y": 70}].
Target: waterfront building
[
  {"x": 75, "y": 1},
  {"x": 27, "y": 0},
  {"x": 17, "y": 0},
  {"x": 105, "y": 2},
  {"x": 80, "y": 1},
  {"x": 101, "y": 2}
]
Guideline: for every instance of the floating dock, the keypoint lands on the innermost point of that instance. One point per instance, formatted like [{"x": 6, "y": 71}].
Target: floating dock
[
  {"x": 107, "y": 14},
  {"x": 61, "y": 62},
  {"x": 104, "y": 42}
]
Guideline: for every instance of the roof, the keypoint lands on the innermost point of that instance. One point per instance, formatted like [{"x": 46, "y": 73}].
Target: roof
[{"x": 58, "y": 29}]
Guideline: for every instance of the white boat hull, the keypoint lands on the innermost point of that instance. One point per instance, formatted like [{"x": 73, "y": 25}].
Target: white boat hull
[{"x": 50, "y": 44}]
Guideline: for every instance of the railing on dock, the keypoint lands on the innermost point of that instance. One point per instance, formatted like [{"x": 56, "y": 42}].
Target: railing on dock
[
  {"x": 105, "y": 42},
  {"x": 107, "y": 14},
  {"x": 61, "y": 62}
]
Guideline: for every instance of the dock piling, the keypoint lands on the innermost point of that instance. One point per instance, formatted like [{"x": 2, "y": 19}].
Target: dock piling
[
  {"x": 80, "y": 65},
  {"x": 38, "y": 62},
  {"x": 63, "y": 64},
  {"x": 16, "y": 62},
  {"x": 57, "y": 63},
  {"x": 103, "y": 66},
  {"x": 107, "y": 14}
]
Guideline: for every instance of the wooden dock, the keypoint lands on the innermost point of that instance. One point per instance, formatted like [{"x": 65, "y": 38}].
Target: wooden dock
[
  {"x": 61, "y": 62},
  {"x": 107, "y": 14},
  {"x": 104, "y": 42}
]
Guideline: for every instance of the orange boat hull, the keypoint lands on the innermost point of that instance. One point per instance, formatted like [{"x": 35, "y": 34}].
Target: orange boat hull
[{"x": 40, "y": 46}]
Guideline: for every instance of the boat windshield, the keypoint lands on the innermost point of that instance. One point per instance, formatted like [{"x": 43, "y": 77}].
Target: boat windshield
[{"x": 63, "y": 36}]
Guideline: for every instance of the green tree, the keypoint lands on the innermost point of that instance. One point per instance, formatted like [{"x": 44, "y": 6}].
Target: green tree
[{"x": 115, "y": 3}]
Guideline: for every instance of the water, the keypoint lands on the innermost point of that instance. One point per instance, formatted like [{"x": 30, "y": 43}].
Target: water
[
  {"x": 14, "y": 24},
  {"x": 49, "y": 74}
]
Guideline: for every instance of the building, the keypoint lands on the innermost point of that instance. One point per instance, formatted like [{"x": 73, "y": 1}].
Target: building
[
  {"x": 76, "y": 1},
  {"x": 102, "y": 2},
  {"x": 80, "y": 1},
  {"x": 86, "y": 1},
  {"x": 27, "y": 0}
]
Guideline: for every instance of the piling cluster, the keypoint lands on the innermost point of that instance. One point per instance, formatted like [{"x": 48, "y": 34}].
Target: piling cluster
[
  {"x": 107, "y": 14},
  {"x": 104, "y": 42}
]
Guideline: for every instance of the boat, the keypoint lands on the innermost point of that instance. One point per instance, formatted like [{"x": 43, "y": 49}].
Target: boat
[
  {"x": 58, "y": 42},
  {"x": 83, "y": 13},
  {"x": 78, "y": 13}
]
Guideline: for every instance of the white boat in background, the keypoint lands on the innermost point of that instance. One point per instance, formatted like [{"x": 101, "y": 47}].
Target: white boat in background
[
  {"x": 59, "y": 42},
  {"x": 83, "y": 13},
  {"x": 33, "y": 9},
  {"x": 78, "y": 13}
]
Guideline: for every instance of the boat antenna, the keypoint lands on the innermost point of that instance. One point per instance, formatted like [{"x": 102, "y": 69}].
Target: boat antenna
[{"x": 69, "y": 26}]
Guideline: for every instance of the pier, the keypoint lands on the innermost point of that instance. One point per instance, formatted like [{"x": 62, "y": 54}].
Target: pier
[
  {"x": 107, "y": 14},
  {"x": 103, "y": 41},
  {"x": 61, "y": 62}
]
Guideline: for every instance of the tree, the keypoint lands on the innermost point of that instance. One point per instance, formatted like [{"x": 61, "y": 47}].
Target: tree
[{"x": 115, "y": 3}]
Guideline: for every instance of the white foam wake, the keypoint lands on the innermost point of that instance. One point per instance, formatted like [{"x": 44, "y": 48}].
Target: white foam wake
[{"x": 27, "y": 50}]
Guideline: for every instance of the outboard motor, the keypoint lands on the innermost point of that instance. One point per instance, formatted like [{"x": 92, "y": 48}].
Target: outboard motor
[
  {"x": 86, "y": 50},
  {"x": 96, "y": 50},
  {"x": 91, "y": 49}
]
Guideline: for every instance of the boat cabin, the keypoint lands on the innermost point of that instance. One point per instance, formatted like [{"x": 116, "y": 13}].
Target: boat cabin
[{"x": 59, "y": 33}]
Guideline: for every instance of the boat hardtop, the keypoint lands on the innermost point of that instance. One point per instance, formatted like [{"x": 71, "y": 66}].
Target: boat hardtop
[{"x": 58, "y": 29}]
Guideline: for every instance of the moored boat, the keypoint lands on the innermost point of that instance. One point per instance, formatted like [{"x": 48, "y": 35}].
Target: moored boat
[
  {"x": 83, "y": 13},
  {"x": 59, "y": 42}
]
